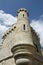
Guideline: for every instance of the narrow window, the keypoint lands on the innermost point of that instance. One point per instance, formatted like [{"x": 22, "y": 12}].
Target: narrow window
[
  {"x": 24, "y": 26},
  {"x": 23, "y": 15}
]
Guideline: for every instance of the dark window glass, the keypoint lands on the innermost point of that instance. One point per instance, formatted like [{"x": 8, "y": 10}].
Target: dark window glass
[
  {"x": 24, "y": 26},
  {"x": 23, "y": 15}
]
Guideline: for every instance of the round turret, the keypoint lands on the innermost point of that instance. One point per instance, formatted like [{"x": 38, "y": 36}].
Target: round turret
[
  {"x": 23, "y": 9},
  {"x": 23, "y": 14}
]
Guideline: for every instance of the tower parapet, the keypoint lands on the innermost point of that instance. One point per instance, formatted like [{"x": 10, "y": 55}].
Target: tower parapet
[
  {"x": 23, "y": 14},
  {"x": 23, "y": 9}
]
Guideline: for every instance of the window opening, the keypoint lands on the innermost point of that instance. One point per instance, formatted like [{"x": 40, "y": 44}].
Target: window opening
[
  {"x": 23, "y": 15},
  {"x": 24, "y": 26}
]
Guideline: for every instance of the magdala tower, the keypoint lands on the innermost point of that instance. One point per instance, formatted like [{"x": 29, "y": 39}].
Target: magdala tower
[{"x": 21, "y": 44}]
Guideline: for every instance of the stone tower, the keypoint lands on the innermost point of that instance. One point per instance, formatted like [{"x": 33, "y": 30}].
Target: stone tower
[
  {"x": 21, "y": 44},
  {"x": 24, "y": 44}
]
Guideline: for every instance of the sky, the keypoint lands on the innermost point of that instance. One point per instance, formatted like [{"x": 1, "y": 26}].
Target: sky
[{"x": 8, "y": 13}]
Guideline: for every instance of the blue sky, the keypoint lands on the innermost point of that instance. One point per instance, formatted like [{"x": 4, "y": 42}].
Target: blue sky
[
  {"x": 8, "y": 12},
  {"x": 35, "y": 7}
]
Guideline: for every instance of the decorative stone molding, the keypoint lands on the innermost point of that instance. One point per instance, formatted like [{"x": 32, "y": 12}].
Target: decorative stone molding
[{"x": 22, "y": 52}]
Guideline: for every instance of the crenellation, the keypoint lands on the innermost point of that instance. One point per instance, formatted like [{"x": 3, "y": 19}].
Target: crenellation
[
  {"x": 35, "y": 34},
  {"x": 9, "y": 31}
]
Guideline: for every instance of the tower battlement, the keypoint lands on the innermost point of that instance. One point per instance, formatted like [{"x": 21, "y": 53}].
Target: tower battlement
[{"x": 23, "y": 9}]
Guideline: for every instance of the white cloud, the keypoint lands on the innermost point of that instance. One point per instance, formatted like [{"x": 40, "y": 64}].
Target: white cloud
[
  {"x": 38, "y": 27},
  {"x": 1, "y": 11},
  {"x": 5, "y": 21},
  {"x": 2, "y": 30}
]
